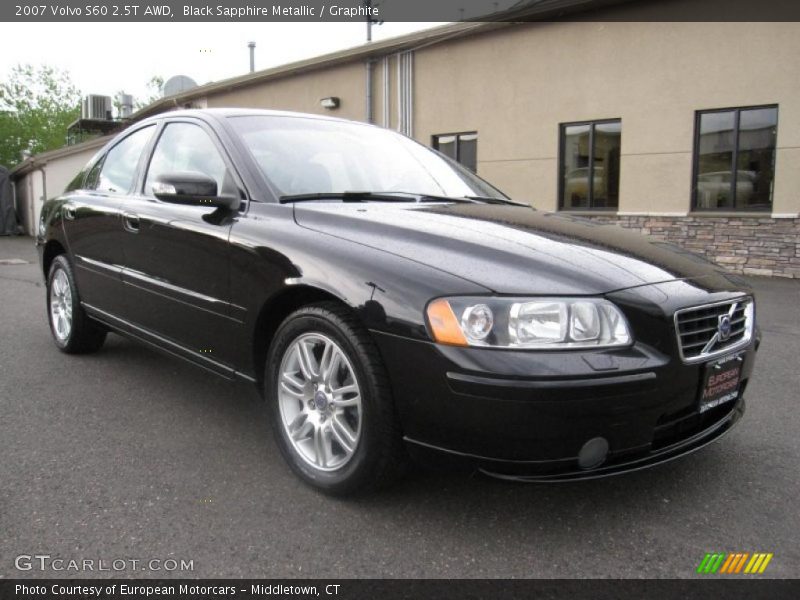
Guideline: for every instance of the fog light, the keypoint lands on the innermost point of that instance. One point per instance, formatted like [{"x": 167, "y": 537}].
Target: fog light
[{"x": 593, "y": 454}]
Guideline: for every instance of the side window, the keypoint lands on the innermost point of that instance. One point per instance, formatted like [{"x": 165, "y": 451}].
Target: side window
[
  {"x": 92, "y": 176},
  {"x": 118, "y": 168},
  {"x": 185, "y": 147}
]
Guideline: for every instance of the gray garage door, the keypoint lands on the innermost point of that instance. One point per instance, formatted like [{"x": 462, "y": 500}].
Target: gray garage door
[{"x": 8, "y": 218}]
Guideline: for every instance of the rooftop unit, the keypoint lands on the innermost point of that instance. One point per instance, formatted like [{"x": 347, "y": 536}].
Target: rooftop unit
[{"x": 96, "y": 108}]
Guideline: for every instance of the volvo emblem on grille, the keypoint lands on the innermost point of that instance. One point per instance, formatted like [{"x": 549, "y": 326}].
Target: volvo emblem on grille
[
  {"x": 712, "y": 329},
  {"x": 724, "y": 327}
]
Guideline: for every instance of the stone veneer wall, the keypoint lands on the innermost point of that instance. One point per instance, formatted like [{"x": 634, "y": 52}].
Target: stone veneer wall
[{"x": 747, "y": 245}]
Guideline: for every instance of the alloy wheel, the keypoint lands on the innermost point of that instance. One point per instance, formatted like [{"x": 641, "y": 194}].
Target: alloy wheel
[
  {"x": 61, "y": 305},
  {"x": 320, "y": 401}
]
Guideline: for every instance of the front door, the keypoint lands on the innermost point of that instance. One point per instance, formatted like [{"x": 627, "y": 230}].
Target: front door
[{"x": 176, "y": 257}]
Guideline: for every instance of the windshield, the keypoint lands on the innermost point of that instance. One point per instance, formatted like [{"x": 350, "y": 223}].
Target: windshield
[{"x": 313, "y": 156}]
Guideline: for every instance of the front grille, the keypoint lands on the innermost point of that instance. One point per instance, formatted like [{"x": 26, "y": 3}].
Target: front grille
[{"x": 713, "y": 329}]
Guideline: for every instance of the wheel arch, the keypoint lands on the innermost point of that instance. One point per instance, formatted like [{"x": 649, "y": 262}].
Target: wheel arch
[
  {"x": 52, "y": 249},
  {"x": 273, "y": 313}
]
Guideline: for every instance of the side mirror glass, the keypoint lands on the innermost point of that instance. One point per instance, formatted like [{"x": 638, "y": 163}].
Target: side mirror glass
[{"x": 188, "y": 187}]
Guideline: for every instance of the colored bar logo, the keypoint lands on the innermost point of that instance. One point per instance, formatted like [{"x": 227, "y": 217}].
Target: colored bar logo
[{"x": 734, "y": 563}]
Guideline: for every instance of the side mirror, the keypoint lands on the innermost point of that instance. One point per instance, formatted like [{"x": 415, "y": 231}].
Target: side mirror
[{"x": 191, "y": 188}]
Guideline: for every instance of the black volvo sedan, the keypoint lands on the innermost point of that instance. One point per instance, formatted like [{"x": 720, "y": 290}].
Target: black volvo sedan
[{"x": 386, "y": 301}]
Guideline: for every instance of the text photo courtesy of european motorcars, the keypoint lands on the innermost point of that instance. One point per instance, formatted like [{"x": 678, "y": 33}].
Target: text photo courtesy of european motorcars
[{"x": 388, "y": 303}]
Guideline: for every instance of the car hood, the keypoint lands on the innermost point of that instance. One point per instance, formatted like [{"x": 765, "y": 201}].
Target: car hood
[{"x": 514, "y": 249}]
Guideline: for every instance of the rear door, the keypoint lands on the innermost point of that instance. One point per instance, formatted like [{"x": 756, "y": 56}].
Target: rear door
[
  {"x": 92, "y": 223},
  {"x": 177, "y": 257}
]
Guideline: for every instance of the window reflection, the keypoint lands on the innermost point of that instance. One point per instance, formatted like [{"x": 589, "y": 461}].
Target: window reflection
[
  {"x": 590, "y": 157},
  {"x": 315, "y": 156},
  {"x": 755, "y": 161},
  {"x": 735, "y": 159},
  {"x": 607, "y": 137},
  {"x": 185, "y": 147},
  {"x": 118, "y": 168},
  {"x": 461, "y": 147},
  {"x": 468, "y": 150},
  {"x": 446, "y": 144}
]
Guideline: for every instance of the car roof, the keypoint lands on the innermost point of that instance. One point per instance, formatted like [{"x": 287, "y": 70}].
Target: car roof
[{"x": 221, "y": 113}]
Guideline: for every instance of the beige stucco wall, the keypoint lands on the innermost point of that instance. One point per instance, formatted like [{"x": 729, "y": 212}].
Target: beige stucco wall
[
  {"x": 303, "y": 92},
  {"x": 515, "y": 86}
]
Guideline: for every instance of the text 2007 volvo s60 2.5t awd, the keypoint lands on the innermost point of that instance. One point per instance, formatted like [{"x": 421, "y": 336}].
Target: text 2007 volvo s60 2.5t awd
[{"x": 386, "y": 301}]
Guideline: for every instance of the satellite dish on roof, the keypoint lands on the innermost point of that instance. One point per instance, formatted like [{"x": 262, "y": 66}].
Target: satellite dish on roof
[{"x": 178, "y": 84}]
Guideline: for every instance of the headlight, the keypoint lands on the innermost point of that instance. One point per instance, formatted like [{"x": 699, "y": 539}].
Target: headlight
[
  {"x": 477, "y": 322},
  {"x": 544, "y": 323}
]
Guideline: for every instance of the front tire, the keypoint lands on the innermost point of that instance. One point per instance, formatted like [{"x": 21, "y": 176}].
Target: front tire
[
  {"x": 73, "y": 331},
  {"x": 330, "y": 400}
]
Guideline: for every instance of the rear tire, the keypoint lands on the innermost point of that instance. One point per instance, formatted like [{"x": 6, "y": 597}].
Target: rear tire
[
  {"x": 331, "y": 404},
  {"x": 73, "y": 331}
]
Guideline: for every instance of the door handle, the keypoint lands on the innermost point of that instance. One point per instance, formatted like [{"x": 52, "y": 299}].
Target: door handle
[
  {"x": 130, "y": 222},
  {"x": 69, "y": 212}
]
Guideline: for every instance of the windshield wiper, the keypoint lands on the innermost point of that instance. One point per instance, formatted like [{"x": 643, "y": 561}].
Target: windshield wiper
[
  {"x": 495, "y": 200},
  {"x": 455, "y": 199},
  {"x": 464, "y": 199},
  {"x": 420, "y": 197},
  {"x": 355, "y": 196},
  {"x": 346, "y": 197}
]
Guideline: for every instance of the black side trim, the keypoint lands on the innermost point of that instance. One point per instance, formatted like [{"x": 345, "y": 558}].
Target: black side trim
[
  {"x": 485, "y": 459},
  {"x": 99, "y": 267},
  {"x": 491, "y": 382},
  {"x": 176, "y": 293},
  {"x": 128, "y": 329}
]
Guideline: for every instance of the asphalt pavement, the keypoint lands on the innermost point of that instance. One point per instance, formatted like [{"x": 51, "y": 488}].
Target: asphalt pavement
[{"x": 131, "y": 455}]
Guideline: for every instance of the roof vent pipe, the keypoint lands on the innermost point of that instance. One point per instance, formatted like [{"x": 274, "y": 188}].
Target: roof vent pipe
[
  {"x": 125, "y": 103},
  {"x": 252, "y": 46}
]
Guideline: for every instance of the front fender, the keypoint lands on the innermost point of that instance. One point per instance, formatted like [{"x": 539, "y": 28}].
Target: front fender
[
  {"x": 270, "y": 252},
  {"x": 50, "y": 229}
]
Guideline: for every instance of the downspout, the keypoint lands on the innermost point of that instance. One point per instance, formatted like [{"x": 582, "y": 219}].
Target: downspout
[
  {"x": 410, "y": 99},
  {"x": 386, "y": 116},
  {"x": 370, "y": 115},
  {"x": 31, "y": 210},
  {"x": 405, "y": 93},
  {"x": 34, "y": 221},
  {"x": 44, "y": 182},
  {"x": 16, "y": 206},
  {"x": 400, "y": 93},
  {"x": 403, "y": 97}
]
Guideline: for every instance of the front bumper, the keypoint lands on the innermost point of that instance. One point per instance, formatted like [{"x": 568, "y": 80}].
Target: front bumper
[{"x": 529, "y": 415}]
